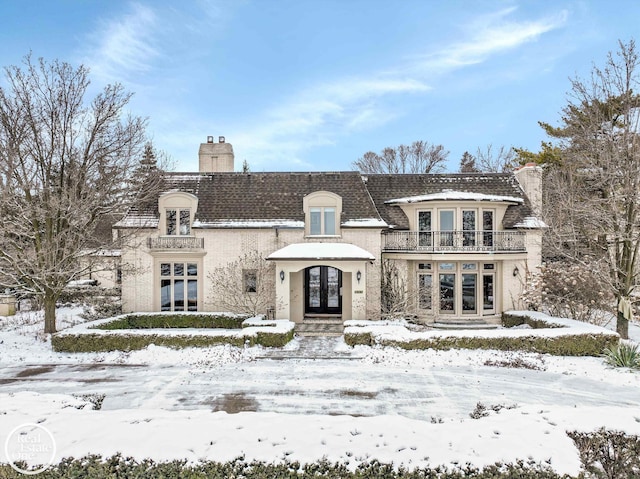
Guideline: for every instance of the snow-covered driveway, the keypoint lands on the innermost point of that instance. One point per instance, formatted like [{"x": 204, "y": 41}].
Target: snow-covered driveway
[
  {"x": 360, "y": 382},
  {"x": 161, "y": 403}
]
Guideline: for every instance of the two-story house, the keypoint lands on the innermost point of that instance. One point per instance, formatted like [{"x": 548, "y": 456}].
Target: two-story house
[{"x": 463, "y": 242}]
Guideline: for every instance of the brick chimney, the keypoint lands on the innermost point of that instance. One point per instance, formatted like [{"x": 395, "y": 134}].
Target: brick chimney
[
  {"x": 530, "y": 178},
  {"x": 216, "y": 157}
]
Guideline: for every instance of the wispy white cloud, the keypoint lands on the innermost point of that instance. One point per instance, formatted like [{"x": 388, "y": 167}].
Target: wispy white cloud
[
  {"x": 492, "y": 34},
  {"x": 315, "y": 116},
  {"x": 123, "y": 48}
]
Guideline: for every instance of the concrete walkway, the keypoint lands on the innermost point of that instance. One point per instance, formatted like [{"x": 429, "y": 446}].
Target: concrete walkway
[{"x": 312, "y": 348}]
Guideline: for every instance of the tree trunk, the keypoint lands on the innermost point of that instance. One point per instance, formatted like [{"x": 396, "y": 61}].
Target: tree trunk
[
  {"x": 50, "y": 312},
  {"x": 622, "y": 325}
]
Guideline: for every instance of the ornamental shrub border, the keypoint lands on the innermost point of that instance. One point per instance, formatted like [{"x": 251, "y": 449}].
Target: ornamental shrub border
[
  {"x": 135, "y": 331},
  {"x": 558, "y": 336}
]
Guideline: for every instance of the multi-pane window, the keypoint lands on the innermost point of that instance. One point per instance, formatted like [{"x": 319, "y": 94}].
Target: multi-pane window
[
  {"x": 447, "y": 284},
  {"x": 447, "y": 226},
  {"x": 424, "y": 228},
  {"x": 468, "y": 227},
  {"x": 488, "y": 289},
  {"x": 178, "y": 222},
  {"x": 250, "y": 280},
  {"x": 178, "y": 286},
  {"x": 457, "y": 288},
  {"x": 469, "y": 288},
  {"x": 425, "y": 291},
  {"x": 322, "y": 221},
  {"x": 487, "y": 227},
  {"x": 471, "y": 228}
]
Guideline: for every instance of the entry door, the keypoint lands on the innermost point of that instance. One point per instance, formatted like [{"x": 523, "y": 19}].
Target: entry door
[{"x": 323, "y": 285}]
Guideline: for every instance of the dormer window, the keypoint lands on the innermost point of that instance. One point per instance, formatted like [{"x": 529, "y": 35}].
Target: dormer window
[
  {"x": 322, "y": 213},
  {"x": 178, "y": 222},
  {"x": 177, "y": 212}
]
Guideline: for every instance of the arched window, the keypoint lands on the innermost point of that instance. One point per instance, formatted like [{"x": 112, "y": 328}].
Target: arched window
[
  {"x": 177, "y": 210},
  {"x": 322, "y": 210}
]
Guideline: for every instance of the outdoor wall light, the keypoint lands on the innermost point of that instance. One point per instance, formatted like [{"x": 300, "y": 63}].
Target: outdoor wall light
[
  {"x": 358, "y": 276},
  {"x": 282, "y": 276},
  {"x": 516, "y": 271}
]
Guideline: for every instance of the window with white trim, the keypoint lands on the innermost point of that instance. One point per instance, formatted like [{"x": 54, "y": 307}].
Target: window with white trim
[
  {"x": 178, "y": 221},
  {"x": 322, "y": 213},
  {"x": 179, "y": 286},
  {"x": 177, "y": 212},
  {"x": 322, "y": 220},
  {"x": 250, "y": 280}
]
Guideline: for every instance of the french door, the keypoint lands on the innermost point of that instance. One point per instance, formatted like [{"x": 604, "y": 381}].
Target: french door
[{"x": 322, "y": 292}]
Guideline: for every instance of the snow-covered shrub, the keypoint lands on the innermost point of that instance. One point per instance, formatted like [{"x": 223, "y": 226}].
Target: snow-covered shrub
[
  {"x": 118, "y": 466},
  {"x": 572, "y": 290},
  {"x": 608, "y": 454}
]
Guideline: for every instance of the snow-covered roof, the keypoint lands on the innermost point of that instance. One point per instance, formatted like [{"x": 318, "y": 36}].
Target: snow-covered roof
[
  {"x": 230, "y": 223},
  {"x": 448, "y": 195},
  {"x": 531, "y": 222},
  {"x": 324, "y": 251},
  {"x": 138, "y": 221},
  {"x": 365, "y": 223}
]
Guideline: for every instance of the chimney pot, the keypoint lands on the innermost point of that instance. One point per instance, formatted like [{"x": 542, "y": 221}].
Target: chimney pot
[
  {"x": 209, "y": 139},
  {"x": 221, "y": 139}
]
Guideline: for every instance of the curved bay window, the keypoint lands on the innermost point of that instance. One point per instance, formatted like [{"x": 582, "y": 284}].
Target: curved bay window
[{"x": 459, "y": 288}]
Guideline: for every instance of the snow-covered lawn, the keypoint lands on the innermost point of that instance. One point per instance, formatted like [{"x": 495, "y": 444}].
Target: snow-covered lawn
[{"x": 364, "y": 403}]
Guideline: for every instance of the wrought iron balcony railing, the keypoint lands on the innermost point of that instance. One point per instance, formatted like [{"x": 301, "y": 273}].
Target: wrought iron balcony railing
[
  {"x": 175, "y": 242},
  {"x": 454, "y": 241}
]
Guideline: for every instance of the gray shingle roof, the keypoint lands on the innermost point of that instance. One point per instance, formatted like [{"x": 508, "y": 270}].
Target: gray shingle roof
[
  {"x": 387, "y": 187},
  {"x": 238, "y": 197},
  {"x": 267, "y": 196}
]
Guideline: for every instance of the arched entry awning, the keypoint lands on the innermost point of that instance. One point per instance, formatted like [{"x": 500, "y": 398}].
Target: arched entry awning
[
  {"x": 322, "y": 252},
  {"x": 321, "y": 279}
]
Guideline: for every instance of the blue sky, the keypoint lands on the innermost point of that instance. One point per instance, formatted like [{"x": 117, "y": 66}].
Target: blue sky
[{"x": 311, "y": 85}]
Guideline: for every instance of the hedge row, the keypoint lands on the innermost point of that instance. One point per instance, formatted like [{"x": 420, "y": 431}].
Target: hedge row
[
  {"x": 117, "y": 467},
  {"x": 84, "y": 343},
  {"x": 168, "y": 320},
  {"x": 576, "y": 344}
]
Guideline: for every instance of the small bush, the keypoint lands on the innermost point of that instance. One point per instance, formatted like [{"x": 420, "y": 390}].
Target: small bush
[
  {"x": 117, "y": 467},
  {"x": 355, "y": 339},
  {"x": 608, "y": 454},
  {"x": 573, "y": 345},
  {"x": 516, "y": 363},
  {"x": 623, "y": 355},
  {"x": 176, "y": 320}
]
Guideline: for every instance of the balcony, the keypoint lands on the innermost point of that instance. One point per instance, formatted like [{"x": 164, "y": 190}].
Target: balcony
[
  {"x": 454, "y": 241},
  {"x": 175, "y": 242}
]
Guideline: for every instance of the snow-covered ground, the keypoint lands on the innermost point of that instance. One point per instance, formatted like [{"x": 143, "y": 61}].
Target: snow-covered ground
[{"x": 355, "y": 404}]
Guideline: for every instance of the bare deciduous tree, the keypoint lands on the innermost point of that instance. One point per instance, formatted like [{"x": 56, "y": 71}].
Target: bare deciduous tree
[
  {"x": 244, "y": 286},
  {"x": 398, "y": 300},
  {"x": 570, "y": 289},
  {"x": 496, "y": 160},
  {"x": 419, "y": 157},
  {"x": 593, "y": 193},
  {"x": 64, "y": 165}
]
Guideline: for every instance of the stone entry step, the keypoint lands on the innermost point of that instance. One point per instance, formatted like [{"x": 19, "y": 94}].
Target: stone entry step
[
  {"x": 462, "y": 324},
  {"x": 320, "y": 327}
]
